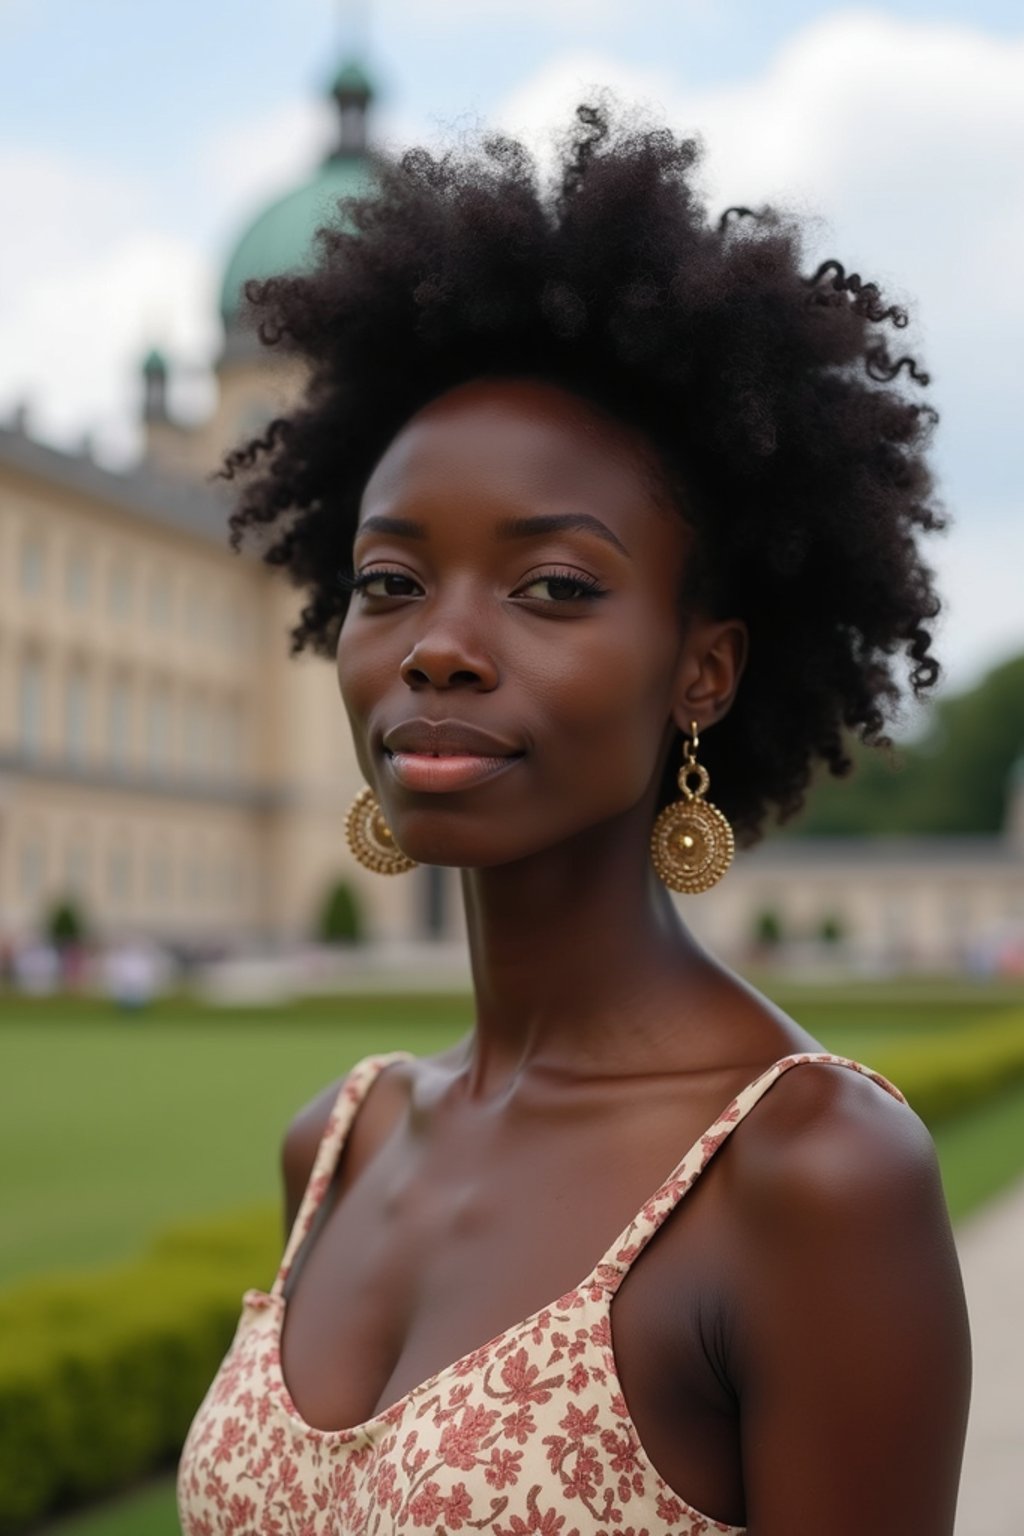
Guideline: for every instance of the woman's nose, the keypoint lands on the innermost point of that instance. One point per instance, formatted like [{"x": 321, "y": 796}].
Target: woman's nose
[{"x": 444, "y": 659}]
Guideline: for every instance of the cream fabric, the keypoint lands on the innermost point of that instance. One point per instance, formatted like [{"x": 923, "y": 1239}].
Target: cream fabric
[{"x": 529, "y": 1435}]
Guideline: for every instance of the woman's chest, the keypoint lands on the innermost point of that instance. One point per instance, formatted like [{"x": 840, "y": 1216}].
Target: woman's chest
[
  {"x": 530, "y": 1432},
  {"x": 421, "y": 1263}
]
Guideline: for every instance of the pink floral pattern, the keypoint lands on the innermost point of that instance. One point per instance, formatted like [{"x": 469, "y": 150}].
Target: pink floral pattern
[{"x": 528, "y": 1435}]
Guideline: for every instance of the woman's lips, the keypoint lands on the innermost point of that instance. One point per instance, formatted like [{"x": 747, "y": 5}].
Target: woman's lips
[{"x": 436, "y": 775}]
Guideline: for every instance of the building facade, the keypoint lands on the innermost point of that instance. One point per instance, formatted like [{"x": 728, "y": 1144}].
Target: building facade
[
  {"x": 885, "y": 904},
  {"x": 163, "y": 760}
]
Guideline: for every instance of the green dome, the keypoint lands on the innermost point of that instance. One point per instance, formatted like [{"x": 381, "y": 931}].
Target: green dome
[
  {"x": 352, "y": 80},
  {"x": 281, "y": 239}
]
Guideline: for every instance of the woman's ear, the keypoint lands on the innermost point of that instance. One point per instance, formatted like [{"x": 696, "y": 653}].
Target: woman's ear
[{"x": 710, "y": 667}]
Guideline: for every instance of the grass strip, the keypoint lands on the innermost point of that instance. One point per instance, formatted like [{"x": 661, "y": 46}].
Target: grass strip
[{"x": 151, "y": 1510}]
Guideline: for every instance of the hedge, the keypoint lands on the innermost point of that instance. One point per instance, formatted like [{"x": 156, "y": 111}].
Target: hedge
[
  {"x": 100, "y": 1373},
  {"x": 949, "y": 1072}
]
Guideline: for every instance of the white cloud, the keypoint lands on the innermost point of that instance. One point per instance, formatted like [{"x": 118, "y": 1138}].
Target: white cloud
[
  {"x": 906, "y": 138},
  {"x": 87, "y": 284}
]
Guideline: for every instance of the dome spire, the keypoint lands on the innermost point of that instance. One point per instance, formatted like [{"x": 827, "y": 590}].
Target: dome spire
[
  {"x": 154, "y": 386},
  {"x": 351, "y": 87},
  {"x": 352, "y": 91},
  {"x": 280, "y": 238}
]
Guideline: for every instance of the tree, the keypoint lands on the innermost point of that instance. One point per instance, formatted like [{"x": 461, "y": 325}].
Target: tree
[
  {"x": 953, "y": 779},
  {"x": 341, "y": 918},
  {"x": 830, "y": 929},
  {"x": 65, "y": 924},
  {"x": 768, "y": 929}
]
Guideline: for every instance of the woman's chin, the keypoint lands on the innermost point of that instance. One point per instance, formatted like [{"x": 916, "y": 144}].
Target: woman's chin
[
  {"x": 444, "y": 854},
  {"x": 455, "y": 848}
]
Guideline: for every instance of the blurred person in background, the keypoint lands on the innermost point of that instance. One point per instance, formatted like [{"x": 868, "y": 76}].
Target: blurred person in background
[
  {"x": 612, "y": 515},
  {"x": 132, "y": 973}
]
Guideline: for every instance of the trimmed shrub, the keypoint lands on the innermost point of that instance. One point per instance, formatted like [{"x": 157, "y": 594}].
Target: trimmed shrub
[
  {"x": 767, "y": 929},
  {"x": 65, "y": 924},
  {"x": 341, "y": 918},
  {"x": 100, "y": 1373},
  {"x": 958, "y": 1069},
  {"x": 830, "y": 930}
]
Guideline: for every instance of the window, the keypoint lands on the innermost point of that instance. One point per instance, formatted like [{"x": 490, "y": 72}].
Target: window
[
  {"x": 76, "y": 716},
  {"x": 245, "y": 631},
  {"x": 158, "y": 877},
  {"x": 195, "y": 881},
  {"x": 158, "y": 730},
  {"x": 30, "y": 706},
  {"x": 231, "y": 739},
  {"x": 32, "y": 868},
  {"x": 231, "y": 625},
  {"x": 120, "y": 590},
  {"x": 195, "y": 735},
  {"x": 77, "y": 580},
  {"x": 119, "y": 873},
  {"x": 160, "y": 601},
  {"x": 32, "y": 565},
  {"x": 76, "y": 866},
  {"x": 119, "y": 723},
  {"x": 234, "y": 881},
  {"x": 195, "y": 615},
  {"x": 435, "y": 889}
]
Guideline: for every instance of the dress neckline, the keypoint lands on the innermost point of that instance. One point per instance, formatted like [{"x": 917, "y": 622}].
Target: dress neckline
[{"x": 598, "y": 1286}]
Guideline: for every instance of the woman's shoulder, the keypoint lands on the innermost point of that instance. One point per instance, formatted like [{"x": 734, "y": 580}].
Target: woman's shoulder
[
  {"x": 844, "y": 1308},
  {"x": 831, "y": 1156},
  {"x": 384, "y": 1099},
  {"x": 825, "y": 1128}
]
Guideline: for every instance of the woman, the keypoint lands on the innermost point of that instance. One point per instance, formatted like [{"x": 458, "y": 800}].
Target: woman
[{"x": 586, "y": 491}]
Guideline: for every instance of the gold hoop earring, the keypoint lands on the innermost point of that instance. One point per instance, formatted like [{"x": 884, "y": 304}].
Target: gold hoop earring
[
  {"x": 371, "y": 839},
  {"x": 692, "y": 844}
]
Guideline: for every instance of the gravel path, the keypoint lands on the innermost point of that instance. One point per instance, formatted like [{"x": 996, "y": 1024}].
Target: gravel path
[{"x": 991, "y": 1247}]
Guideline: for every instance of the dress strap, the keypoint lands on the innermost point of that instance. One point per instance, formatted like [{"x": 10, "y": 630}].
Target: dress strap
[
  {"x": 627, "y": 1247},
  {"x": 339, "y": 1122}
]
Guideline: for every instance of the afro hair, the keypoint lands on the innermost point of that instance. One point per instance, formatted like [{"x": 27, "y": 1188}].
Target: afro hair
[{"x": 790, "y": 432}]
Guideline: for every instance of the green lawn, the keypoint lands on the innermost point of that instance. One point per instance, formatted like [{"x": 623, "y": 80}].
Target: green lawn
[
  {"x": 111, "y": 1127},
  {"x": 148, "y": 1511}
]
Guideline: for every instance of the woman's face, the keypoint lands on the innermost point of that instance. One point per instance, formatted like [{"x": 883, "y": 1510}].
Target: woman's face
[{"x": 512, "y": 660}]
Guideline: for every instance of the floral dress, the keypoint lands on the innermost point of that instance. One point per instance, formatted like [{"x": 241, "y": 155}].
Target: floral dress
[{"x": 528, "y": 1435}]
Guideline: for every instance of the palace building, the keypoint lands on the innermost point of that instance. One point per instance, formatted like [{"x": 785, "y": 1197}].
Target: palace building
[{"x": 163, "y": 760}]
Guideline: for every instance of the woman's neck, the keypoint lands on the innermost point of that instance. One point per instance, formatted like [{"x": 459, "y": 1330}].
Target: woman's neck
[{"x": 573, "y": 952}]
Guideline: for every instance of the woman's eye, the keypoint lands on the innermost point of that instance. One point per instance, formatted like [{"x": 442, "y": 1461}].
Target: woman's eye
[
  {"x": 561, "y": 588},
  {"x": 385, "y": 584},
  {"x": 556, "y": 587}
]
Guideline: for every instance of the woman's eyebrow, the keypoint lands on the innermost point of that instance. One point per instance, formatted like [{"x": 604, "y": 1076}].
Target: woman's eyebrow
[
  {"x": 561, "y": 522},
  {"x": 510, "y": 528},
  {"x": 401, "y": 527}
]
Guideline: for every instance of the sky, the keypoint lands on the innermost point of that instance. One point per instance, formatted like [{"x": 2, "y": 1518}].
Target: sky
[{"x": 136, "y": 142}]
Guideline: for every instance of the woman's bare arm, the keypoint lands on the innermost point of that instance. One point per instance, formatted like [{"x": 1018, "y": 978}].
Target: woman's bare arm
[{"x": 852, "y": 1346}]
